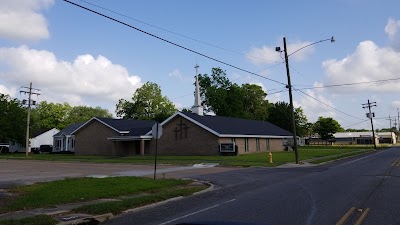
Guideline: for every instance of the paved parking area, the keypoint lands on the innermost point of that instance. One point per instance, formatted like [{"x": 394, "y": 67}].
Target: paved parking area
[{"x": 20, "y": 172}]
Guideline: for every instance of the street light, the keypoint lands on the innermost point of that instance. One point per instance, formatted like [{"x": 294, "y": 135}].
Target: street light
[{"x": 289, "y": 86}]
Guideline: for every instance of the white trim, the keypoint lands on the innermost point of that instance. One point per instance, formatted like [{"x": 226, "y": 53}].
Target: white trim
[
  {"x": 130, "y": 138},
  {"x": 251, "y": 136},
  {"x": 95, "y": 118}
]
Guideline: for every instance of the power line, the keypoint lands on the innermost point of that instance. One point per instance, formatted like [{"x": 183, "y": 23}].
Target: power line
[
  {"x": 356, "y": 123},
  {"x": 175, "y": 33},
  {"x": 170, "y": 42},
  {"x": 328, "y": 105},
  {"x": 348, "y": 84}
]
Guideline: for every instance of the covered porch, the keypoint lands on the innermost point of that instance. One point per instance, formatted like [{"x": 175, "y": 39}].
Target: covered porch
[{"x": 130, "y": 145}]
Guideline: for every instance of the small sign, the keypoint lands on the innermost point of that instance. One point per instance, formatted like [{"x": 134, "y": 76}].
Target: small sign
[
  {"x": 157, "y": 131},
  {"x": 227, "y": 147}
]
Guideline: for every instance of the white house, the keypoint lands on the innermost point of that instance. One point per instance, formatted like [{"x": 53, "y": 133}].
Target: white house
[{"x": 43, "y": 138}]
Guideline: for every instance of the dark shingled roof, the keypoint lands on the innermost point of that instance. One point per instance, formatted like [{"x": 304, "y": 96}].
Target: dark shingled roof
[
  {"x": 38, "y": 132},
  {"x": 236, "y": 126},
  {"x": 135, "y": 127},
  {"x": 68, "y": 130}
]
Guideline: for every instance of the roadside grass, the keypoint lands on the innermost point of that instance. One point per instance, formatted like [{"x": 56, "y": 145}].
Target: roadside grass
[
  {"x": 254, "y": 159},
  {"x": 117, "y": 207},
  {"x": 73, "y": 190},
  {"x": 340, "y": 156},
  {"x": 35, "y": 220}
]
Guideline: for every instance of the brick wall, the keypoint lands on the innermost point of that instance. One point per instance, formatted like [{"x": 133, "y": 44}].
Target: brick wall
[
  {"x": 92, "y": 139},
  {"x": 274, "y": 144},
  {"x": 185, "y": 139}
]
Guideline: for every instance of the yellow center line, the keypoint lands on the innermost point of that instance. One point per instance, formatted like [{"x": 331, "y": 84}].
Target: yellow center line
[
  {"x": 362, "y": 217},
  {"x": 346, "y": 216}
]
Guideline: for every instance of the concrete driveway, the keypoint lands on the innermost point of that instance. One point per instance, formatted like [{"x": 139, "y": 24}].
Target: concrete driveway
[{"x": 22, "y": 172}]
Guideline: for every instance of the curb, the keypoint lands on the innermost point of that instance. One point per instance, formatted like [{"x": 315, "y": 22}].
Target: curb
[
  {"x": 210, "y": 188},
  {"x": 88, "y": 220}
]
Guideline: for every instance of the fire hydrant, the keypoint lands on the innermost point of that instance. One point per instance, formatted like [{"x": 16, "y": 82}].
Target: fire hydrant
[{"x": 270, "y": 157}]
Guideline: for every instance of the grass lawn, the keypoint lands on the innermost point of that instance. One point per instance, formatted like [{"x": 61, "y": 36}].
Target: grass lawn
[
  {"x": 85, "y": 189},
  {"x": 36, "y": 220},
  {"x": 256, "y": 159}
]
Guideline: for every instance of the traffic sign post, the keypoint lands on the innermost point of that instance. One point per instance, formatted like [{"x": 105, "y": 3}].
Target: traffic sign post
[{"x": 156, "y": 131}]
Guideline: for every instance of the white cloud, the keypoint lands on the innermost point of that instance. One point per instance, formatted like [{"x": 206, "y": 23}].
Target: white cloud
[
  {"x": 86, "y": 80},
  {"x": 392, "y": 27},
  {"x": 20, "y": 19},
  {"x": 7, "y": 91},
  {"x": 313, "y": 108},
  {"x": 268, "y": 54},
  {"x": 176, "y": 74},
  {"x": 274, "y": 98},
  {"x": 396, "y": 104},
  {"x": 368, "y": 63}
]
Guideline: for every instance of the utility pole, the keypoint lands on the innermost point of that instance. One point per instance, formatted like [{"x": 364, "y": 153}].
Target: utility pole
[
  {"x": 289, "y": 86},
  {"x": 371, "y": 115},
  {"x": 398, "y": 118},
  {"x": 390, "y": 122},
  {"x": 30, "y": 91}
]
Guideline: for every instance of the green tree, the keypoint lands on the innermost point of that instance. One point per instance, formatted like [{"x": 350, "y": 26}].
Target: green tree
[
  {"x": 326, "y": 127},
  {"x": 225, "y": 98},
  {"x": 356, "y": 130},
  {"x": 147, "y": 104},
  {"x": 50, "y": 115},
  {"x": 78, "y": 114},
  {"x": 280, "y": 115},
  {"x": 12, "y": 120}
]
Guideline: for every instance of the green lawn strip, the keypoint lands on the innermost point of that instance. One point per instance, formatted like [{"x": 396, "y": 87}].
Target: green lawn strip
[
  {"x": 118, "y": 207},
  {"x": 340, "y": 156},
  {"x": 35, "y": 220},
  {"x": 254, "y": 159},
  {"x": 84, "y": 189}
]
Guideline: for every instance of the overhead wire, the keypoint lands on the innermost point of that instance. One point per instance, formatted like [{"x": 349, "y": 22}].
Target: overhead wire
[
  {"x": 327, "y": 104},
  {"x": 178, "y": 34},
  {"x": 357, "y": 123},
  {"x": 172, "y": 43},
  {"x": 347, "y": 84}
]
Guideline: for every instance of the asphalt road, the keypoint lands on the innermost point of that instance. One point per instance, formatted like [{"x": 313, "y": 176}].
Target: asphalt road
[{"x": 360, "y": 190}]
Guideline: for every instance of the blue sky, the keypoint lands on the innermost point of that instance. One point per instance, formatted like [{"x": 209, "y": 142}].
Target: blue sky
[{"x": 78, "y": 57}]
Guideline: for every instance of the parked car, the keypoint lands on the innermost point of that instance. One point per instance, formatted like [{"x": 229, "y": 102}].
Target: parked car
[
  {"x": 4, "y": 149},
  {"x": 42, "y": 149},
  {"x": 35, "y": 150}
]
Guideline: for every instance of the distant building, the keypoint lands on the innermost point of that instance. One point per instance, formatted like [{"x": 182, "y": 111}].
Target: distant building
[
  {"x": 387, "y": 137},
  {"x": 358, "y": 138},
  {"x": 64, "y": 140},
  {"x": 42, "y": 137}
]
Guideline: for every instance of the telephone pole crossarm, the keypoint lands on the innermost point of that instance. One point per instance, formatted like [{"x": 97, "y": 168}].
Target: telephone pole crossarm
[
  {"x": 371, "y": 115},
  {"x": 29, "y": 102}
]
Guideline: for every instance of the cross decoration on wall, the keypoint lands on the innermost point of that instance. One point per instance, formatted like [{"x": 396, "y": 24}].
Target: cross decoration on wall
[{"x": 181, "y": 130}]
